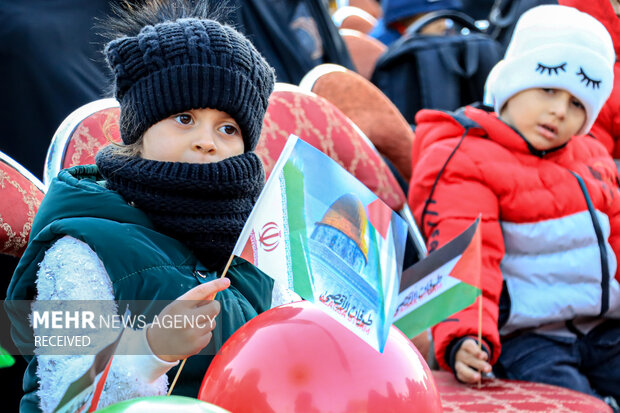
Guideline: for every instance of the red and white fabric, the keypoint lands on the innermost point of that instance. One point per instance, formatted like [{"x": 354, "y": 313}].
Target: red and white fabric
[
  {"x": 537, "y": 233},
  {"x": 21, "y": 194}
]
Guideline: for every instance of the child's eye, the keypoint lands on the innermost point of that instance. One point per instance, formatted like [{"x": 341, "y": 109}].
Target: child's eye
[
  {"x": 576, "y": 103},
  {"x": 184, "y": 119},
  {"x": 229, "y": 130},
  {"x": 548, "y": 90}
]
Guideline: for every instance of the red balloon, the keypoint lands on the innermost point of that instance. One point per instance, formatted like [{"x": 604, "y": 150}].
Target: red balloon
[{"x": 296, "y": 358}]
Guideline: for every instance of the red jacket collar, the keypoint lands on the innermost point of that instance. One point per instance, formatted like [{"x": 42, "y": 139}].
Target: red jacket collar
[{"x": 434, "y": 126}]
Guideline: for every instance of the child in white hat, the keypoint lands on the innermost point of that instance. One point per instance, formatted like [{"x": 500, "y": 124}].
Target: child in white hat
[{"x": 549, "y": 204}]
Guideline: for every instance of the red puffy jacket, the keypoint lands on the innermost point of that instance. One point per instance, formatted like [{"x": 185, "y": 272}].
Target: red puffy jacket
[
  {"x": 552, "y": 255},
  {"x": 607, "y": 126}
]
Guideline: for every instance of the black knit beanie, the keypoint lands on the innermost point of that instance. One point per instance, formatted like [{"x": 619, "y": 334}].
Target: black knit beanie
[{"x": 189, "y": 63}]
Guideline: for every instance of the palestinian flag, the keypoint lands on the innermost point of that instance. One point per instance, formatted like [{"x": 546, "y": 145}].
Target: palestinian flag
[{"x": 445, "y": 282}]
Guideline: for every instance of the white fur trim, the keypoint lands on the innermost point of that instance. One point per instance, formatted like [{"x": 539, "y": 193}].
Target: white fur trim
[
  {"x": 135, "y": 342},
  {"x": 72, "y": 271},
  {"x": 281, "y": 295}
]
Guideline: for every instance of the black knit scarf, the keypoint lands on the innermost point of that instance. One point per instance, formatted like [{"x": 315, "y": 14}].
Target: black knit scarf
[{"x": 204, "y": 206}]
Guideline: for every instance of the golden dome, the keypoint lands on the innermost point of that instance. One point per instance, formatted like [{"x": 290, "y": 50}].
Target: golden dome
[{"x": 348, "y": 216}]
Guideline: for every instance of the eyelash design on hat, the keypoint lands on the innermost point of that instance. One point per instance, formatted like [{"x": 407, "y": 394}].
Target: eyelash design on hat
[
  {"x": 551, "y": 69},
  {"x": 596, "y": 84}
]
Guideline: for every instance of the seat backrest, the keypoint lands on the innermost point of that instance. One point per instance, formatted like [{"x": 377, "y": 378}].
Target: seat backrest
[
  {"x": 319, "y": 123},
  {"x": 369, "y": 108},
  {"x": 372, "y": 7},
  {"x": 353, "y": 18},
  {"x": 363, "y": 49},
  {"x": 81, "y": 135},
  {"x": 21, "y": 194}
]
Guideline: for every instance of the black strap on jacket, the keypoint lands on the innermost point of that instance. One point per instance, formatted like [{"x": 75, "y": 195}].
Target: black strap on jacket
[{"x": 601, "y": 246}]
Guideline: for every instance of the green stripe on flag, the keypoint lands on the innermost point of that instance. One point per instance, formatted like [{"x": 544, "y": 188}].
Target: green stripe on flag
[
  {"x": 295, "y": 201},
  {"x": 383, "y": 329},
  {"x": 438, "y": 309}
]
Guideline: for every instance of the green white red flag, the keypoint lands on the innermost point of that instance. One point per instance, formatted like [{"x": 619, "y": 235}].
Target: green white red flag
[
  {"x": 445, "y": 282},
  {"x": 321, "y": 232}
]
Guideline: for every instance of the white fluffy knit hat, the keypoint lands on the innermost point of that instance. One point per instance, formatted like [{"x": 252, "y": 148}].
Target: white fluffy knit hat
[{"x": 556, "y": 47}]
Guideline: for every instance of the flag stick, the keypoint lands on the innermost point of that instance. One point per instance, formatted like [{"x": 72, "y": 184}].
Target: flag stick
[
  {"x": 224, "y": 273},
  {"x": 480, "y": 333},
  {"x": 176, "y": 377},
  {"x": 227, "y": 265}
]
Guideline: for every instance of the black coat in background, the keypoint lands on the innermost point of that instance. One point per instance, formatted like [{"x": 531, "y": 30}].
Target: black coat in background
[
  {"x": 267, "y": 23},
  {"x": 51, "y": 63}
]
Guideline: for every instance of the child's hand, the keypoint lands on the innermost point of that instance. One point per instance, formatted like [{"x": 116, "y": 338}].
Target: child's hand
[
  {"x": 469, "y": 361},
  {"x": 172, "y": 344}
]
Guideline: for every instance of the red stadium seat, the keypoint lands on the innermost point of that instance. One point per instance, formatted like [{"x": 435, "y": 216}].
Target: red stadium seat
[
  {"x": 21, "y": 194},
  {"x": 372, "y": 7},
  {"x": 364, "y": 50},
  {"x": 318, "y": 122},
  {"x": 354, "y": 18},
  {"x": 369, "y": 108},
  {"x": 504, "y": 396},
  {"x": 81, "y": 135}
]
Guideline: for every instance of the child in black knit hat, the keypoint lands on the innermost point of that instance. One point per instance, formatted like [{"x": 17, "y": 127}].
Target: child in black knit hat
[
  {"x": 158, "y": 217},
  {"x": 193, "y": 92}
]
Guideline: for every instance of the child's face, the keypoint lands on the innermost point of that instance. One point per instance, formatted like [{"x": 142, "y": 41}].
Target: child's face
[
  {"x": 195, "y": 136},
  {"x": 547, "y": 118},
  {"x": 616, "y": 5}
]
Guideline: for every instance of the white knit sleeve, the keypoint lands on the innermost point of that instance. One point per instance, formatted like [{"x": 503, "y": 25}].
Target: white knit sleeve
[
  {"x": 282, "y": 295},
  {"x": 72, "y": 271}
]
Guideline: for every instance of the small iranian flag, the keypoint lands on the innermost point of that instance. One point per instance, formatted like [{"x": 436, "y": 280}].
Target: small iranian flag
[
  {"x": 445, "y": 282},
  {"x": 274, "y": 238}
]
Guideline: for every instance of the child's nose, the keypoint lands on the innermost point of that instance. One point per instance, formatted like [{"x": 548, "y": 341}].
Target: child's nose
[
  {"x": 561, "y": 104},
  {"x": 204, "y": 143}
]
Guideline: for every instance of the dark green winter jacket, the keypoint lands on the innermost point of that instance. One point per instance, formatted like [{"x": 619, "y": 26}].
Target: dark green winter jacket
[{"x": 142, "y": 263}]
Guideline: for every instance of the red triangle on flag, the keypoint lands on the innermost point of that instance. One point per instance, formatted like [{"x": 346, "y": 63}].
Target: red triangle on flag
[
  {"x": 468, "y": 267},
  {"x": 379, "y": 216},
  {"x": 248, "y": 250}
]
